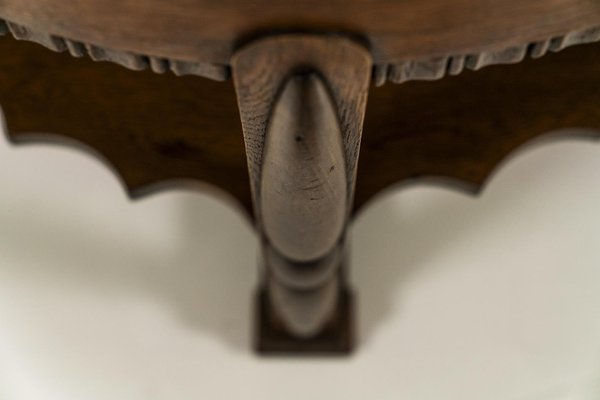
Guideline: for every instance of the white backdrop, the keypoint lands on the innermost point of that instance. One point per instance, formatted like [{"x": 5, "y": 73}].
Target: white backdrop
[{"x": 495, "y": 298}]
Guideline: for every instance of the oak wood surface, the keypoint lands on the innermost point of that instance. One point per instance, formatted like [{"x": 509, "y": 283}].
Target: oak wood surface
[
  {"x": 302, "y": 100},
  {"x": 459, "y": 130},
  {"x": 302, "y": 195},
  {"x": 154, "y": 129},
  {"x": 261, "y": 68},
  {"x": 210, "y": 31}
]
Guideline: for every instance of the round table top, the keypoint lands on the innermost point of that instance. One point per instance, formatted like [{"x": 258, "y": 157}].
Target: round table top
[{"x": 395, "y": 31}]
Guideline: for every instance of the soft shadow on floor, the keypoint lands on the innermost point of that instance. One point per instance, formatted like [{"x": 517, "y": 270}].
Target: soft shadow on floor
[
  {"x": 205, "y": 277},
  {"x": 207, "y": 271},
  {"x": 398, "y": 233}
]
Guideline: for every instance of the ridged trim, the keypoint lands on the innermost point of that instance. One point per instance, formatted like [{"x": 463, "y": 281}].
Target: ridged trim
[
  {"x": 438, "y": 67},
  {"x": 429, "y": 69},
  {"x": 129, "y": 60}
]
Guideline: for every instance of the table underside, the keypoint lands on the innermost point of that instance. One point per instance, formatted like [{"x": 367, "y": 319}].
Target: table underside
[
  {"x": 156, "y": 131},
  {"x": 301, "y": 98}
]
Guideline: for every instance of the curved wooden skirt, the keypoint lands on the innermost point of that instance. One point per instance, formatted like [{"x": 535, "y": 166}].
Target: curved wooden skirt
[{"x": 156, "y": 131}]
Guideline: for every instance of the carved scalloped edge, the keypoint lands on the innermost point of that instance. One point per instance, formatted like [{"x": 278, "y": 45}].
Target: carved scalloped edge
[
  {"x": 438, "y": 67},
  {"x": 129, "y": 60},
  {"x": 132, "y": 192}
]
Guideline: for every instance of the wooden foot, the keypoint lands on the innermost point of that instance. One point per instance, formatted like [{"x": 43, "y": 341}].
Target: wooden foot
[{"x": 336, "y": 337}]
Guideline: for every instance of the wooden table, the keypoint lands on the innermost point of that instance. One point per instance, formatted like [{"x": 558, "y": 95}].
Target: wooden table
[{"x": 267, "y": 101}]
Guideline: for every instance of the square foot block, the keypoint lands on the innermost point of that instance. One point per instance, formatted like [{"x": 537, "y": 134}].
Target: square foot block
[{"x": 271, "y": 338}]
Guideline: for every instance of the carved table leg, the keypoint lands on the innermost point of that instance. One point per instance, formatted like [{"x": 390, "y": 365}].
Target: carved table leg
[{"x": 302, "y": 100}]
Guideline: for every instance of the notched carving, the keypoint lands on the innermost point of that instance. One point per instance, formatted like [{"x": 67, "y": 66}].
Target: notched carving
[
  {"x": 439, "y": 67},
  {"x": 421, "y": 69},
  {"x": 136, "y": 62},
  {"x": 458, "y": 131}
]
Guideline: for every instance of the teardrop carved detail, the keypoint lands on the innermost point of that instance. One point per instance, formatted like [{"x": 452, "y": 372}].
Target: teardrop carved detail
[{"x": 303, "y": 195}]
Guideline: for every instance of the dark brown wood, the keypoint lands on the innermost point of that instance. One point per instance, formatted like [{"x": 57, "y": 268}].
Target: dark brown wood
[
  {"x": 302, "y": 202},
  {"x": 459, "y": 130},
  {"x": 337, "y": 338},
  {"x": 210, "y": 31},
  {"x": 156, "y": 131},
  {"x": 302, "y": 100}
]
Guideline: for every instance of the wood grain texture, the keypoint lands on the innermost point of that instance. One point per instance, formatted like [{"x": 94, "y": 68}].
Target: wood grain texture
[
  {"x": 458, "y": 130},
  {"x": 395, "y": 31},
  {"x": 153, "y": 130},
  {"x": 302, "y": 100},
  {"x": 303, "y": 183},
  {"x": 128, "y": 59},
  {"x": 453, "y": 64},
  {"x": 303, "y": 204},
  {"x": 261, "y": 68},
  {"x": 431, "y": 68},
  {"x": 156, "y": 129}
]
